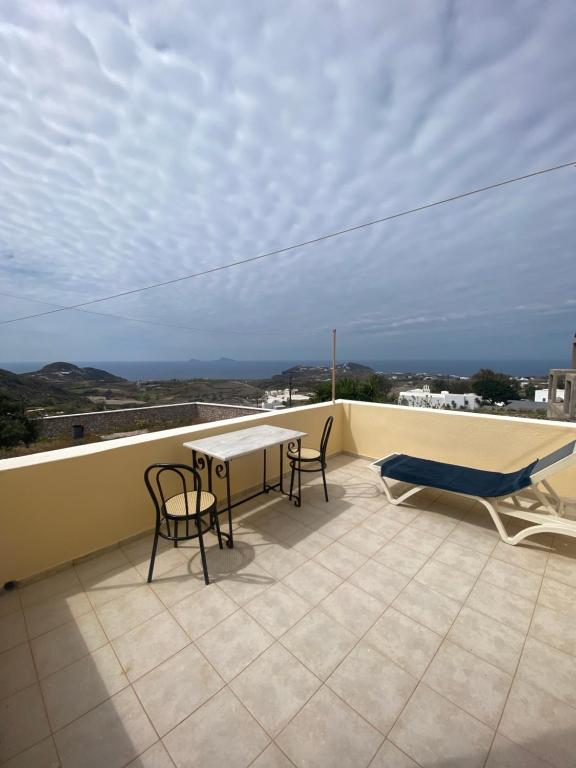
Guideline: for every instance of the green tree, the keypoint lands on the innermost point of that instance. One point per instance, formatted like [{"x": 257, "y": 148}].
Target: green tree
[
  {"x": 494, "y": 387},
  {"x": 15, "y": 426},
  {"x": 374, "y": 389},
  {"x": 529, "y": 391}
]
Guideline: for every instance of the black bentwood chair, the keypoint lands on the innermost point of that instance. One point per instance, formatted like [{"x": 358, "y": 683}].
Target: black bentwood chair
[
  {"x": 192, "y": 508},
  {"x": 310, "y": 459}
]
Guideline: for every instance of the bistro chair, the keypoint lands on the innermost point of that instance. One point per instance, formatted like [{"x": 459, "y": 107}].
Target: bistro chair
[
  {"x": 187, "y": 514},
  {"x": 310, "y": 459}
]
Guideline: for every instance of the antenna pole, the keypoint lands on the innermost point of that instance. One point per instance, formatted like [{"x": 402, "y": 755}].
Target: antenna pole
[{"x": 334, "y": 365}]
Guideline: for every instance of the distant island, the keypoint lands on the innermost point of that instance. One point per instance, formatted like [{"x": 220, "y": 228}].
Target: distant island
[{"x": 218, "y": 360}]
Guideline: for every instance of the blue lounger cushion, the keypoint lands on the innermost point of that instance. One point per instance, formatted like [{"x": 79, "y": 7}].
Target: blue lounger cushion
[{"x": 451, "y": 477}]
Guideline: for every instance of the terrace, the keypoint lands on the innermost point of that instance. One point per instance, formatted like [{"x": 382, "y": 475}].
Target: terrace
[{"x": 352, "y": 633}]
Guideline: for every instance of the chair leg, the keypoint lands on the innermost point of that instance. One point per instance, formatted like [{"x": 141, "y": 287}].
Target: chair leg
[
  {"x": 153, "y": 556},
  {"x": 291, "y": 480},
  {"x": 217, "y": 525},
  {"x": 175, "y": 533},
  {"x": 324, "y": 481},
  {"x": 202, "y": 551}
]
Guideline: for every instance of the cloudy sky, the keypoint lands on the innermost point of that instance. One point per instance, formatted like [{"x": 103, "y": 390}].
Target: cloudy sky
[{"x": 143, "y": 141}]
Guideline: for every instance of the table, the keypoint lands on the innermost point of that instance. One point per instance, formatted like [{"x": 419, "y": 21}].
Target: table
[{"x": 231, "y": 445}]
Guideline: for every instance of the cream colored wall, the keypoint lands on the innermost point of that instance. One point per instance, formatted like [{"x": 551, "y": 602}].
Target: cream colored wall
[
  {"x": 62, "y": 505},
  {"x": 498, "y": 443}
]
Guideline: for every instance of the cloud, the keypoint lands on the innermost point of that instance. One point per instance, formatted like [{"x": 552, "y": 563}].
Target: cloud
[{"x": 143, "y": 141}]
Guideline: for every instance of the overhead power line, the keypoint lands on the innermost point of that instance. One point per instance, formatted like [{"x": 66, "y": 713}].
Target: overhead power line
[
  {"x": 302, "y": 244},
  {"x": 162, "y": 323}
]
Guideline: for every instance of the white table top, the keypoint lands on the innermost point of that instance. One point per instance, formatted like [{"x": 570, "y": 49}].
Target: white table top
[{"x": 231, "y": 445}]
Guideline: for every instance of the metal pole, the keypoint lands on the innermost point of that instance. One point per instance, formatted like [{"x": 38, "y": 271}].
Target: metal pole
[
  {"x": 290, "y": 390},
  {"x": 334, "y": 365}
]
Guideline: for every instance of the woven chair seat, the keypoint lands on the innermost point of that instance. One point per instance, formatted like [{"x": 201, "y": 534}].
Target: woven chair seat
[
  {"x": 176, "y": 506},
  {"x": 307, "y": 454}
]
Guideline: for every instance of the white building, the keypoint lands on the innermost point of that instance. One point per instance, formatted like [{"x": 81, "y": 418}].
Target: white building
[
  {"x": 423, "y": 398},
  {"x": 541, "y": 395},
  {"x": 278, "y": 398}
]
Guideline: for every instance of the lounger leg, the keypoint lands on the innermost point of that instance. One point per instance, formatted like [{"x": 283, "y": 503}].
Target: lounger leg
[{"x": 403, "y": 497}]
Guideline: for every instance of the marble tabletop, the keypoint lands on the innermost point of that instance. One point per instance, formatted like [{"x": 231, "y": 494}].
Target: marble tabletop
[{"x": 231, "y": 445}]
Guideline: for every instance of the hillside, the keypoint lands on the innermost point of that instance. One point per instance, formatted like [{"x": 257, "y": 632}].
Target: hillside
[
  {"x": 67, "y": 372},
  {"x": 38, "y": 393}
]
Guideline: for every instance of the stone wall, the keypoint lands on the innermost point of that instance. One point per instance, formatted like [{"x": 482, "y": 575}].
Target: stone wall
[{"x": 82, "y": 425}]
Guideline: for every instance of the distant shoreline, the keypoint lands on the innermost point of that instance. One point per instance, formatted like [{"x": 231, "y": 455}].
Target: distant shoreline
[{"x": 265, "y": 369}]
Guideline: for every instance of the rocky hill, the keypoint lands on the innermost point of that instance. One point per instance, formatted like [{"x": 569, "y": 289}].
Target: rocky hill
[
  {"x": 314, "y": 373},
  {"x": 38, "y": 393},
  {"x": 67, "y": 372}
]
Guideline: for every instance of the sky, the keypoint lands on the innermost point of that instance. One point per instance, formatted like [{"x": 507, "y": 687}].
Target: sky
[{"x": 144, "y": 141}]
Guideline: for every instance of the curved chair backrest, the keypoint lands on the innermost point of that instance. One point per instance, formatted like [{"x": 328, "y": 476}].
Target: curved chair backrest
[
  {"x": 326, "y": 436},
  {"x": 161, "y": 479}
]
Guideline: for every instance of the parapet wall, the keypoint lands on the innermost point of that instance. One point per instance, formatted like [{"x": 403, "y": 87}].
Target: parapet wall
[{"x": 81, "y": 425}]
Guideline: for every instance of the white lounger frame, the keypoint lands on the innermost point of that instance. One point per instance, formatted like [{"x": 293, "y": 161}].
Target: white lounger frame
[{"x": 538, "y": 503}]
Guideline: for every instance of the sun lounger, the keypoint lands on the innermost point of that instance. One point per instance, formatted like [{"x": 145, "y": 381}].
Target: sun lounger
[{"x": 525, "y": 494}]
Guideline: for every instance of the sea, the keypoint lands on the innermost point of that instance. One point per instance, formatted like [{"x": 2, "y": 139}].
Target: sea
[{"x": 147, "y": 370}]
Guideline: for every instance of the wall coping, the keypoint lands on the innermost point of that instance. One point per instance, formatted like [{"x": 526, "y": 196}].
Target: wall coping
[
  {"x": 62, "y": 454},
  {"x": 149, "y": 408}
]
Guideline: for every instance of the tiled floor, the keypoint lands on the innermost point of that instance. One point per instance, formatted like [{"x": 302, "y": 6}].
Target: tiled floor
[{"x": 349, "y": 634}]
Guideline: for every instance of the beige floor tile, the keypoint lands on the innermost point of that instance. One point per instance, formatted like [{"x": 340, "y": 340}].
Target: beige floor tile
[
  {"x": 558, "y": 596},
  {"x": 512, "y": 578},
  {"x": 425, "y": 543},
  {"x": 435, "y": 732},
  {"x": 9, "y": 602},
  {"x": 279, "y": 561},
  {"x": 203, "y": 610},
  {"x": 274, "y": 687},
  {"x": 74, "y": 690},
  {"x": 41, "y": 755},
  {"x": 121, "y": 615},
  {"x": 506, "y": 754},
  {"x": 221, "y": 733},
  {"x": 234, "y": 643},
  {"x": 541, "y": 723},
  {"x": 23, "y": 722},
  {"x": 379, "y": 581},
  {"x": 155, "y": 757},
  {"x": 177, "y": 584},
  {"x": 272, "y": 757},
  {"x": 435, "y": 523},
  {"x": 402, "y": 513},
  {"x": 473, "y": 684},
  {"x": 512, "y": 610},
  {"x": 112, "y": 586},
  {"x": 562, "y": 568},
  {"x": 244, "y": 585},
  {"x": 425, "y": 605},
  {"x": 173, "y": 690},
  {"x": 555, "y": 628},
  {"x": 16, "y": 670},
  {"x": 94, "y": 567},
  {"x": 50, "y": 586},
  {"x": 389, "y": 756},
  {"x": 361, "y": 680},
  {"x": 319, "y": 642},
  {"x": 128, "y": 734},
  {"x": 335, "y": 526},
  {"x": 341, "y": 560},
  {"x": 352, "y": 608},
  {"x": 68, "y": 643},
  {"x": 328, "y": 732},
  {"x": 403, "y": 640},
  {"x": 168, "y": 559},
  {"x": 460, "y": 558},
  {"x": 382, "y": 525},
  {"x": 309, "y": 544},
  {"x": 444, "y": 579},
  {"x": 44, "y": 616},
  {"x": 402, "y": 559},
  {"x": 487, "y": 638},
  {"x": 277, "y": 609},
  {"x": 312, "y": 581},
  {"x": 149, "y": 644},
  {"x": 528, "y": 554},
  {"x": 549, "y": 669},
  {"x": 474, "y": 537},
  {"x": 363, "y": 541}
]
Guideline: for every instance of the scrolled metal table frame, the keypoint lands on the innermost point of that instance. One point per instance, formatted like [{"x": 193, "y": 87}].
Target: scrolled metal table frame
[{"x": 221, "y": 469}]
